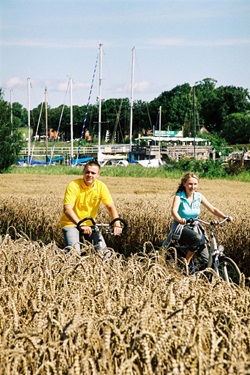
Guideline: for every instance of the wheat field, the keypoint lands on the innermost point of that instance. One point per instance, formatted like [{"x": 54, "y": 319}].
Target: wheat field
[{"x": 129, "y": 314}]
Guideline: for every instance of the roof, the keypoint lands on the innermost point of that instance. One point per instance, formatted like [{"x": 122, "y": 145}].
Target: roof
[{"x": 171, "y": 139}]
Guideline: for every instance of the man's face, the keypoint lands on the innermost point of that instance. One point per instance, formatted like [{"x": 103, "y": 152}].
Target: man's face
[{"x": 90, "y": 174}]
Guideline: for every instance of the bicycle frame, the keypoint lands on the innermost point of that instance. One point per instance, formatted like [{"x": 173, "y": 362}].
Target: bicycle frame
[
  {"x": 223, "y": 266},
  {"x": 215, "y": 250}
]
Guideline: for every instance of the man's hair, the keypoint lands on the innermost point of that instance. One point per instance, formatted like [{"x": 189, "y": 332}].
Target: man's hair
[{"x": 93, "y": 163}]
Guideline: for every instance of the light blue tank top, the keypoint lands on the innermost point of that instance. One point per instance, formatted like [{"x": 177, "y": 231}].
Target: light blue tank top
[{"x": 187, "y": 211}]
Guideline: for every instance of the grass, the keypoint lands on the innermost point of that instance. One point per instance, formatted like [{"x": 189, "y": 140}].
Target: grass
[{"x": 132, "y": 170}]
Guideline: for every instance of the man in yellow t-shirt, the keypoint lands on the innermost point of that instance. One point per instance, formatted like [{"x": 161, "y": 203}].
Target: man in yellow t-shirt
[{"x": 82, "y": 199}]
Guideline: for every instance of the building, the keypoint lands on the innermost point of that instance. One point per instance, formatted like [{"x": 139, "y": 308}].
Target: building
[{"x": 172, "y": 145}]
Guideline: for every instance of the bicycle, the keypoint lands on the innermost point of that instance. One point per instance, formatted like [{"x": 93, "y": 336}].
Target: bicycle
[
  {"x": 223, "y": 266},
  {"x": 98, "y": 229}
]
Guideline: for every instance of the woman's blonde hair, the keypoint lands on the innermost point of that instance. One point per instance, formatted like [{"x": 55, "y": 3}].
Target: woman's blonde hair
[{"x": 184, "y": 179}]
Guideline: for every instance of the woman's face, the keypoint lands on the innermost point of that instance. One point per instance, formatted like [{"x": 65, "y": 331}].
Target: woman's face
[{"x": 190, "y": 185}]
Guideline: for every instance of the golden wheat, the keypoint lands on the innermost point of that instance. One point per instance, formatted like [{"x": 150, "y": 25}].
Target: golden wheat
[{"x": 130, "y": 314}]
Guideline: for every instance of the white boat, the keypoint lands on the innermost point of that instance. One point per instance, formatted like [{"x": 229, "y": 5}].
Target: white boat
[
  {"x": 151, "y": 163},
  {"x": 114, "y": 160},
  {"x": 115, "y": 163}
]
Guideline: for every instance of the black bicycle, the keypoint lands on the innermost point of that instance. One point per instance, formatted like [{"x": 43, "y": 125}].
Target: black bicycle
[
  {"x": 218, "y": 262},
  {"x": 98, "y": 230}
]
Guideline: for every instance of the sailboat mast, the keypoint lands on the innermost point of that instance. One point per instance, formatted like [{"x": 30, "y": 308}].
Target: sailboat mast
[
  {"x": 11, "y": 112},
  {"x": 28, "y": 88},
  {"x": 131, "y": 101},
  {"x": 160, "y": 129},
  {"x": 194, "y": 120},
  {"x": 71, "y": 123},
  {"x": 46, "y": 125},
  {"x": 100, "y": 101}
]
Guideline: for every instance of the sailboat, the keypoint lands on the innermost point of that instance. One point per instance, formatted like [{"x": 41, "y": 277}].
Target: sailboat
[
  {"x": 154, "y": 158},
  {"x": 151, "y": 163},
  {"x": 74, "y": 161},
  {"x": 29, "y": 161}
]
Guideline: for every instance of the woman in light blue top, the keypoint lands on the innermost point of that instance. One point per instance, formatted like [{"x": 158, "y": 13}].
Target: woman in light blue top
[{"x": 186, "y": 205}]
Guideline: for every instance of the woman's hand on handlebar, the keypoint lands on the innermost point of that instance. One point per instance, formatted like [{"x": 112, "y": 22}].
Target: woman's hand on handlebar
[
  {"x": 226, "y": 219},
  {"x": 182, "y": 221}
]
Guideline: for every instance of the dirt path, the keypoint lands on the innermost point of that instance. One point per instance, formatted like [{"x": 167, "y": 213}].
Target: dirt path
[{"x": 14, "y": 184}]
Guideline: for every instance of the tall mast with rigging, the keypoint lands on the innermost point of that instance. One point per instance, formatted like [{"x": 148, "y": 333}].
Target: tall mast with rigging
[
  {"x": 195, "y": 114},
  {"x": 100, "y": 102},
  {"x": 46, "y": 125},
  {"x": 131, "y": 102},
  {"x": 11, "y": 111},
  {"x": 160, "y": 129},
  {"x": 71, "y": 124},
  {"x": 28, "y": 89}
]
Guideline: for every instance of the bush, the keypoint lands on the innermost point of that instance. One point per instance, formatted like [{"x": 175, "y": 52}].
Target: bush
[
  {"x": 11, "y": 143},
  {"x": 204, "y": 168}
]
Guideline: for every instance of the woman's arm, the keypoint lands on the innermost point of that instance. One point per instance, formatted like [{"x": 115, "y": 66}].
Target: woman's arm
[
  {"x": 175, "y": 208},
  {"x": 215, "y": 211}
]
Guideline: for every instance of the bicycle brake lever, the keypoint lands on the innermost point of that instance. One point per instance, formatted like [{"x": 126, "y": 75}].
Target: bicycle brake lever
[{"x": 214, "y": 222}]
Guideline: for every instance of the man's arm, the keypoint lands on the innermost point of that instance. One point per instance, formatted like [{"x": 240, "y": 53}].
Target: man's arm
[
  {"x": 114, "y": 214},
  {"x": 71, "y": 215}
]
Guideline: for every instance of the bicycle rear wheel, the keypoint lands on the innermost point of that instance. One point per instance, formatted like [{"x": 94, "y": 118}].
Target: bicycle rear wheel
[{"x": 229, "y": 271}]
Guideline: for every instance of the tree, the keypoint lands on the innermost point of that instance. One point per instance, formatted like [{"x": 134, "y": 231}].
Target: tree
[
  {"x": 20, "y": 115},
  {"x": 236, "y": 128},
  {"x": 217, "y": 103},
  {"x": 206, "y": 99},
  {"x": 175, "y": 104},
  {"x": 11, "y": 143},
  {"x": 37, "y": 119},
  {"x": 212, "y": 107}
]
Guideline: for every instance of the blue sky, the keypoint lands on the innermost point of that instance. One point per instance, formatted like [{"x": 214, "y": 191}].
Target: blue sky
[{"x": 176, "y": 42}]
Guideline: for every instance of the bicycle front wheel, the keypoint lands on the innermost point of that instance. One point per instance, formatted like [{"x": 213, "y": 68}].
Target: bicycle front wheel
[{"x": 229, "y": 271}]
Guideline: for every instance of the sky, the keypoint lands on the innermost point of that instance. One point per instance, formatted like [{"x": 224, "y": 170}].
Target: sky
[{"x": 46, "y": 43}]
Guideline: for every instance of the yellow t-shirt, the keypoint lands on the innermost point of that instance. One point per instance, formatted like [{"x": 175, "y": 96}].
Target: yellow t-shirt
[{"x": 85, "y": 200}]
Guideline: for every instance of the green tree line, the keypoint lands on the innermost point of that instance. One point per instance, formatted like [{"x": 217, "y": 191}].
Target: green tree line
[
  {"x": 10, "y": 137},
  {"x": 224, "y": 111}
]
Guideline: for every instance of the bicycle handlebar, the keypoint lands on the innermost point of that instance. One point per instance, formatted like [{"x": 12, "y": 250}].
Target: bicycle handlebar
[
  {"x": 110, "y": 225},
  {"x": 212, "y": 222},
  {"x": 85, "y": 219}
]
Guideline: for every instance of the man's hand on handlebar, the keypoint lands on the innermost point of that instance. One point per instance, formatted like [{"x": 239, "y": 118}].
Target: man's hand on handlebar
[
  {"x": 117, "y": 230},
  {"x": 85, "y": 229},
  {"x": 117, "y": 226}
]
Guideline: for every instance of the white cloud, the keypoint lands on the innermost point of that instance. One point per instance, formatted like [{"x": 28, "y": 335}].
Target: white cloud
[
  {"x": 142, "y": 86},
  {"x": 63, "y": 87},
  {"x": 33, "y": 43},
  {"x": 14, "y": 82},
  {"x": 172, "y": 42}
]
